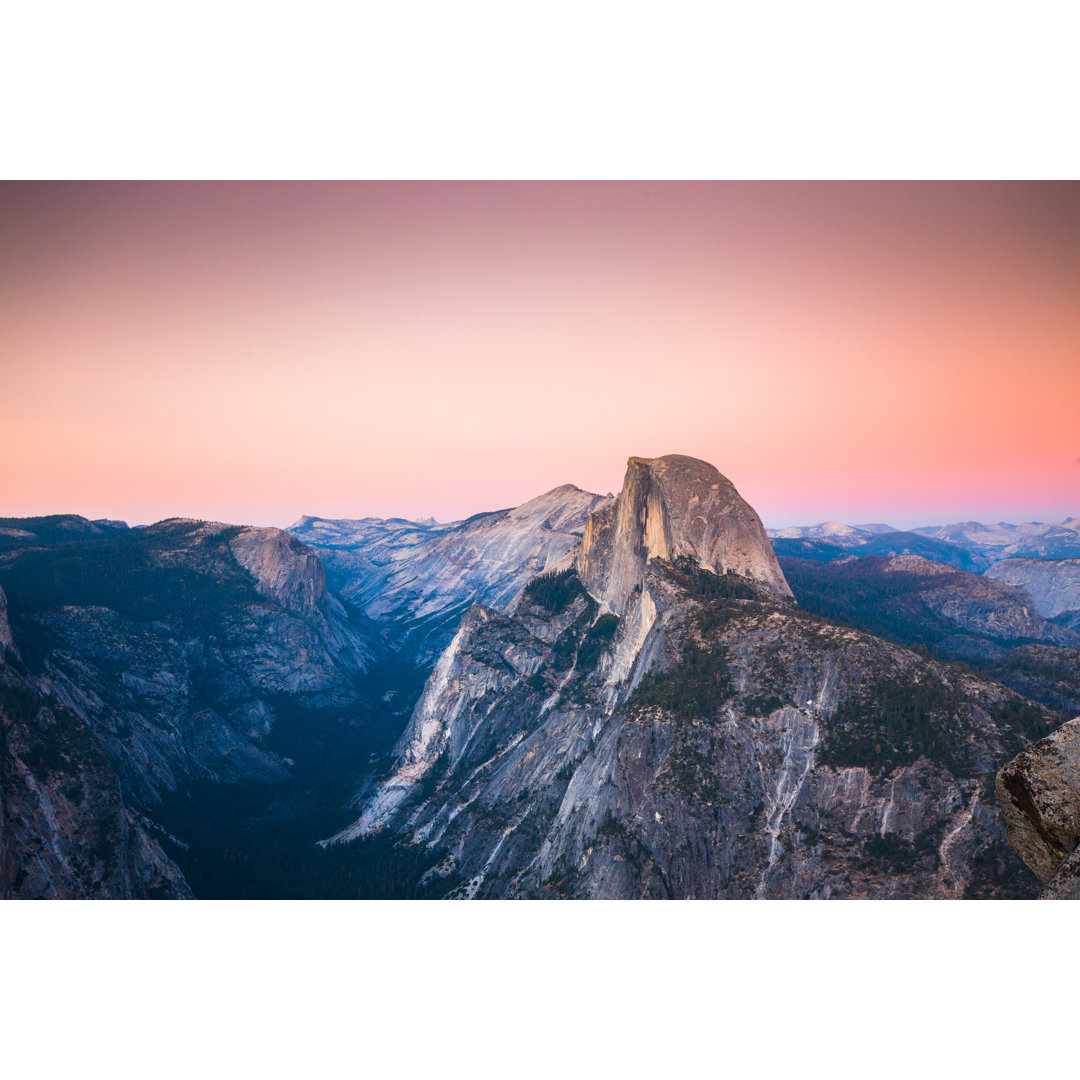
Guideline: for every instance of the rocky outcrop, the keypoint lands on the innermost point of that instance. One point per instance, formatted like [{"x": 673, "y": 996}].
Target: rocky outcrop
[
  {"x": 286, "y": 570},
  {"x": 1054, "y": 584},
  {"x": 1040, "y": 791},
  {"x": 671, "y": 507}
]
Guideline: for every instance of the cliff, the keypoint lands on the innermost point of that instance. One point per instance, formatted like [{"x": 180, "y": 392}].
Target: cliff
[
  {"x": 7, "y": 643},
  {"x": 670, "y": 507},
  {"x": 65, "y": 828},
  {"x": 1054, "y": 585}
]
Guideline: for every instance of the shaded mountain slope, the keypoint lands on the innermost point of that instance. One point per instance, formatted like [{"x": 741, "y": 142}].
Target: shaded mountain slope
[
  {"x": 885, "y": 545},
  {"x": 919, "y": 602},
  {"x": 174, "y": 641},
  {"x": 65, "y": 829},
  {"x": 990, "y": 625},
  {"x": 190, "y": 673}
]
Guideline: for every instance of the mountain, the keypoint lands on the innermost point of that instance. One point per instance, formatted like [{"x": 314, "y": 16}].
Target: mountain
[
  {"x": 673, "y": 507},
  {"x": 416, "y": 579},
  {"x": 885, "y": 545},
  {"x": 1002, "y": 540},
  {"x": 916, "y": 601},
  {"x": 830, "y": 530},
  {"x": 989, "y": 624},
  {"x": 657, "y": 717},
  {"x": 1054, "y": 584},
  {"x": 969, "y": 545},
  {"x": 582, "y": 696},
  {"x": 193, "y": 675},
  {"x": 18, "y": 532},
  {"x": 175, "y": 641},
  {"x": 65, "y": 829},
  {"x": 1040, "y": 790}
]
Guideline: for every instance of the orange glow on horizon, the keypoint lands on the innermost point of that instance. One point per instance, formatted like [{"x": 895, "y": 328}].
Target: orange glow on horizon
[{"x": 907, "y": 353}]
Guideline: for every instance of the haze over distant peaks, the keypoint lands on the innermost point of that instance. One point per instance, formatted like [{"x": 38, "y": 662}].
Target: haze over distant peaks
[
  {"x": 971, "y": 545},
  {"x": 828, "y": 530}
]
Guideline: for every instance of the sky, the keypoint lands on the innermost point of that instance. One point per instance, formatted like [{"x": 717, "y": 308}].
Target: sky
[{"x": 905, "y": 353}]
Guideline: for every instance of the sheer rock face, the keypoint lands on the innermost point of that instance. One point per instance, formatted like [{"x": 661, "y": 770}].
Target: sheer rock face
[
  {"x": 1054, "y": 584},
  {"x": 670, "y": 507},
  {"x": 65, "y": 830},
  {"x": 1040, "y": 790},
  {"x": 286, "y": 570},
  {"x": 6, "y": 642}
]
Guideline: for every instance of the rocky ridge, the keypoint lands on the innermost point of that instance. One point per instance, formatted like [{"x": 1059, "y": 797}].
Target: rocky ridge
[
  {"x": 1005, "y": 541},
  {"x": 830, "y": 530},
  {"x": 416, "y": 579}
]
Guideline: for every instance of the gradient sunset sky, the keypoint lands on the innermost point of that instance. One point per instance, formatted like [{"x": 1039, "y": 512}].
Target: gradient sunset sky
[{"x": 904, "y": 353}]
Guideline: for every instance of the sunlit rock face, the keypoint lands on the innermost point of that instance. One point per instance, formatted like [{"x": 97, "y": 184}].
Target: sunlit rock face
[{"x": 670, "y": 507}]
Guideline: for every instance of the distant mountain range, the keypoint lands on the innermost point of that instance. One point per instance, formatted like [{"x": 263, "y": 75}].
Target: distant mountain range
[
  {"x": 969, "y": 544},
  {"x": 1043, "y": 559},
  {"x": 584, "y": 696}
]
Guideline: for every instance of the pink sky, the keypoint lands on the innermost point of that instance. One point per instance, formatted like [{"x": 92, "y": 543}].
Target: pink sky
[{"x": 907, "y": 353}]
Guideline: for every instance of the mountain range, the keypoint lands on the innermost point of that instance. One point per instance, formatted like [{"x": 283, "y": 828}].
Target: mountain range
[{"x": 631, "y": 695}]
